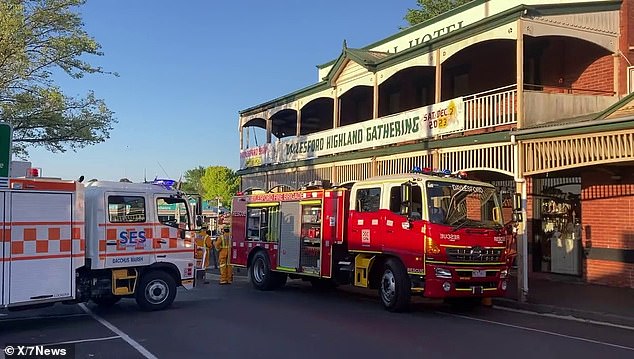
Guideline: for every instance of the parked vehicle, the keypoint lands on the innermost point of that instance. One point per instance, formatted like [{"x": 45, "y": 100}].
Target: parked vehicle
[
  {"x": 427, "y": 233},
  {"x": 66, "y": 241}
]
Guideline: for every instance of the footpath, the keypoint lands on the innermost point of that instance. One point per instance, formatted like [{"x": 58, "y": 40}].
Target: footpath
[{"x": 565, "y": 297}]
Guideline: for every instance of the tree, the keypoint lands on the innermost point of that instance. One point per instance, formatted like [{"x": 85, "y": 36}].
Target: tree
[
  {"x": 431, "y": 8},
  {"x": 40, "y": 38},
  {"x": 193, "y": 183},
  {"x": 220, "y": 181}
]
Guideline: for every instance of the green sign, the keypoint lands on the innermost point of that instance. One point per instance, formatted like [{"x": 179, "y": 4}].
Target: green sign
[{"x": 5, "y": 149}]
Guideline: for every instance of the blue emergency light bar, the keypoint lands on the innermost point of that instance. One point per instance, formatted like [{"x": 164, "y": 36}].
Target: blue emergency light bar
[
  {"x": 440, "y": 173},
  {"x": 167, "y": 183}
]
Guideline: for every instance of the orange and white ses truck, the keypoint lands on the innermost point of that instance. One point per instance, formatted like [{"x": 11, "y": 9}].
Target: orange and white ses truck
[
  {"x": 65, "y": 241},
  {"x": 428, "y": 233}
]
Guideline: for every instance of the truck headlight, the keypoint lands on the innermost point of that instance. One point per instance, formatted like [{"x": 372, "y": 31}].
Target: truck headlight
[
  {"x": 503, "y": 285},
  {"x": 443, "y": 273},
  {"x": 504, "y": 273}
]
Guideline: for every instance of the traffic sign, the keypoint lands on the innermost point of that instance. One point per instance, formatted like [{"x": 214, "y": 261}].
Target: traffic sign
[{"x": 5, "y": 149}]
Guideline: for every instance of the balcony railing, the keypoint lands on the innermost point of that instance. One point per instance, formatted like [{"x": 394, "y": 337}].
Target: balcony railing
[{"x": 491, "y": 108}]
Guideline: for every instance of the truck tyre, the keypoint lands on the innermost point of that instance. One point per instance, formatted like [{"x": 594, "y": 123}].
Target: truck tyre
[
  {"x": 260, "y": 272},
  {"x": 106, "y": 301},
  {"x": 394, "y": 287},
  {"x": 155, "y": 291}
]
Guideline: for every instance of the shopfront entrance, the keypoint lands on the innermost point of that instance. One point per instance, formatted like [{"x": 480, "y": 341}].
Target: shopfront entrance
[{"x": 556, "y": 242}]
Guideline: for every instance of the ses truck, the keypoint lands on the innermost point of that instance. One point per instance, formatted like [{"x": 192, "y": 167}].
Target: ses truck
[
  {"x": 66, "y": 241},
  {"x": 428, "y": 233}
]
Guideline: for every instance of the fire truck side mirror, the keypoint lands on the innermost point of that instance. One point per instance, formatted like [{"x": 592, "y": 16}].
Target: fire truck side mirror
[
  {"x": 199, "y": 221},
  {"x": 517, "y": 202},
  {"x": 517, "y": 208},
  {"x": 406, "y": 199}
]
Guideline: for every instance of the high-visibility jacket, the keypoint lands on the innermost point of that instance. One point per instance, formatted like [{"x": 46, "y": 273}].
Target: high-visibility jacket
[
  {"x": 203, "y": 246},
  {"x": 223, "y": 241}
]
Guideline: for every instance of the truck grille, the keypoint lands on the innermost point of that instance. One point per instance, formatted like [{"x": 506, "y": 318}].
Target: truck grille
[{"x": 473, "y": 254}]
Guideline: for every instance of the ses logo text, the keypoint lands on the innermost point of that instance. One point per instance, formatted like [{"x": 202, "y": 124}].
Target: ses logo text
[{"x": 132, "y": 238}]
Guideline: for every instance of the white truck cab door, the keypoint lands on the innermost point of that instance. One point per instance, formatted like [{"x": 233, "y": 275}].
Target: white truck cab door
[
  {"x": 173, "y": 237},
  {"x": 128, "y": 230}
]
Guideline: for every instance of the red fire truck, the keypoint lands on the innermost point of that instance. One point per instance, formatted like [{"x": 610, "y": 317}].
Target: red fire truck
[{"x": 428, "y": 233}]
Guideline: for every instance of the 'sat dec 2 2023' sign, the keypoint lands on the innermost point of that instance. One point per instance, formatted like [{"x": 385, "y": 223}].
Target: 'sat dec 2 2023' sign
[{"x": 425, "y": 122}]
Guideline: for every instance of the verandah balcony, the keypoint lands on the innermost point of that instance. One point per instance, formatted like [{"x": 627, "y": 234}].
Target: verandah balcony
[
  {"x": 497, "y": 108},
  {"x": 488, "y": 111}
]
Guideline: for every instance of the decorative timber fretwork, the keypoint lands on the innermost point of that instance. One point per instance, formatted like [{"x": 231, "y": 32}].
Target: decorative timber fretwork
[
  {"x": 403, "y": 163},
  {"x": 554, "y": 154},
  {"x": 493, "y": 157},
  {"x": 353, "y": 171}
]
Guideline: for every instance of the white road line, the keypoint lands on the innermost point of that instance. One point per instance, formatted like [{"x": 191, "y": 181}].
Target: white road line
[
  {"x": 41, "y": 317},
  {"x": 565, "y": 317},
  {"x": 539, "y": 331},
  {"x": 119, "y": 332},
  {"x": 85, "y": 340}
]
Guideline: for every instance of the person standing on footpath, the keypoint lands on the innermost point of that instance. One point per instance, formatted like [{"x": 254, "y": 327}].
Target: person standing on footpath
[{"x": 222, "y": 245}]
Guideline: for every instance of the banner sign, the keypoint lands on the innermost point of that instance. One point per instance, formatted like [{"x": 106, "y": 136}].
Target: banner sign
[{"x": 425, "y": 122}]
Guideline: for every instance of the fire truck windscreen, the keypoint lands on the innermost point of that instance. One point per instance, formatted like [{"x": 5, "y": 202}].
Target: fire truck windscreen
[{"x": 461, "y": 205}]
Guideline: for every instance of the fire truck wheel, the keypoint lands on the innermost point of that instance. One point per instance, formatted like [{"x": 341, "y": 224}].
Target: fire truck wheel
[
  {"x": 155, "y": 291},
  {"x": 394, "y": 288},
  {"x": 260, "y": 272}
]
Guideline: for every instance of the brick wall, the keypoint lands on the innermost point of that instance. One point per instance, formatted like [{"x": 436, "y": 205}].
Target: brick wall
[
  {"x": 577, "y": 64},
  {"x": 610, "y": 273},
  {"x": 607, "y": 209},
  {"x": 626, "y": 39},
  {"x": 595, "y": 75}
]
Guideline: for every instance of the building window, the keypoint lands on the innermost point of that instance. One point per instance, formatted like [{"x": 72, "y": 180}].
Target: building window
[{"x": 126, "y": 209}]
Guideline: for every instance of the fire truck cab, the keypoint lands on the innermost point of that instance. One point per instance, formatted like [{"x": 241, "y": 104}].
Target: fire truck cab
[
  {"x": 66, "y": 241},
  {"x": 434, "y": 234}
]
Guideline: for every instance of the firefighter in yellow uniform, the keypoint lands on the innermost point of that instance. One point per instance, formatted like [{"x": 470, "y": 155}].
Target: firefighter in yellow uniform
[
  {"x": 223, "y": 246},
  {"x": 203, "y": 245}
]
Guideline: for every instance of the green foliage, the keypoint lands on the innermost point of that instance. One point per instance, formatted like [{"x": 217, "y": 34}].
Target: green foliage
[
  {"x": 192, "y": 181},
  {"x": 37, "y": 39},
  {"x": 220, "y": 181},
  {"x": 428, "y": 9}
]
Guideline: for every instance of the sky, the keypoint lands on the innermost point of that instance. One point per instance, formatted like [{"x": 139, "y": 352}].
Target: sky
[{"x": 186, "y": 68}]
